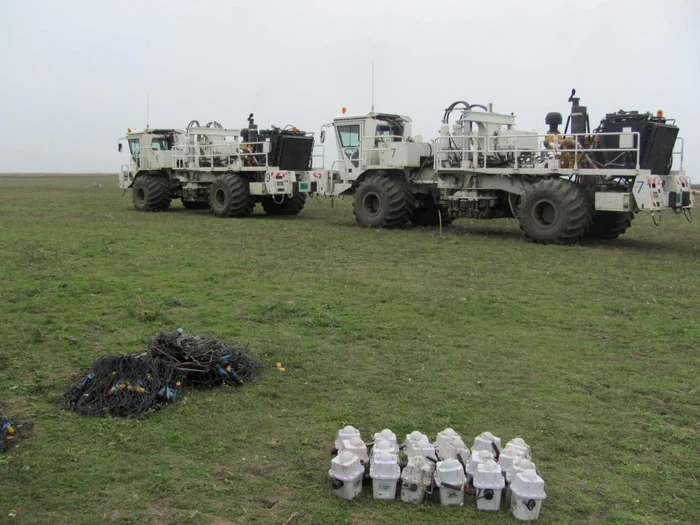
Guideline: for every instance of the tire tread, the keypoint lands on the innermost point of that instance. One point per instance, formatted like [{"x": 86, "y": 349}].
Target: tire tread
[
  {"x": 575, "y": 206},
  {"x": 241, "y": 203},
  {"x": 401, "y": 201},
  {"x": 158, "y": 193}
]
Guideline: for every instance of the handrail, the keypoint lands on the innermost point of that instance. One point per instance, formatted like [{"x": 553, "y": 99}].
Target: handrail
[
  {"x": 322, "y": 156},
  {"x": 679, "y": 152},
  {"x": 225, "y": 154},
  {"x": 363, "y": 151},
  {"x": 218, "y": 155},
  {"x": 555, "y": 148}
]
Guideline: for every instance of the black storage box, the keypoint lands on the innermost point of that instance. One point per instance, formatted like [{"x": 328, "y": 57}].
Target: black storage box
[
  {"x": 658, "y": 140},
  {"x": 657, "y": 137},
  {"x": 291, "y": 152}
]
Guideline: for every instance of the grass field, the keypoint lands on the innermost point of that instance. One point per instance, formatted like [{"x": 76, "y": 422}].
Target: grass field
[{"x": 590, "y": 353}]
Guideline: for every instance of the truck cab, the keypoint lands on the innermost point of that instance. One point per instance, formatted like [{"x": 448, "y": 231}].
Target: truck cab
[
  {"x": 149, "y": 150},
  {"x": 376, "y": 141}
]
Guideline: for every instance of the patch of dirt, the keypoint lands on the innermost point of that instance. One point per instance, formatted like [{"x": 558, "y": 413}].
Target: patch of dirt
[
  {"x": 160, "y": 508},
  {"x": 257, "y": 471}
]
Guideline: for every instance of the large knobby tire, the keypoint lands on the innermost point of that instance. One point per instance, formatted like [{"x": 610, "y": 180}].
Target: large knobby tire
[
  {"x": 151, "y": 193},
  {"x": 229, "y": 196},
  {"x": 287, "y": 206},
  {"x": 610, "y": 224},
  {"x": 384, "y": 201},
  {"x": 555, "y": 211},
  {"x": 195, "y": 205}
]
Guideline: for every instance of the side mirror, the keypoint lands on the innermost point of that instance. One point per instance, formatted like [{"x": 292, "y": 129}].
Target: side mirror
[
  {"x": 323, "y": 135},
  {"x": 120, "y": 147}
]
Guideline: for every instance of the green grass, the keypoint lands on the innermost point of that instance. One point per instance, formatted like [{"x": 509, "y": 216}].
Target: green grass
[{"x": 590, "y": 353}]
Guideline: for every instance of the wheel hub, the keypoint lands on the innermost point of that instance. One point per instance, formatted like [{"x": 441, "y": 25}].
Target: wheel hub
[
  {"x": 220, "y": 196},
  {"x": 372, "y": 204},
  {"x": 544, "y": 213}
]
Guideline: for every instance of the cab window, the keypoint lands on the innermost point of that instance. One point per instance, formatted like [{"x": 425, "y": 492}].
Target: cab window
[
  {"x": 159, "y": 143},
  {"x": 382, "y": 135},
  {"x": 349, "y": 136},
  {"x": 383, "y": 131},
  {"x": 135, "y": 147}
]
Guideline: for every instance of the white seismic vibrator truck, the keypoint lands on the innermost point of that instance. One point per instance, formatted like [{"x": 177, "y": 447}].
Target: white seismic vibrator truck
[{"x": 560, "y": 185}]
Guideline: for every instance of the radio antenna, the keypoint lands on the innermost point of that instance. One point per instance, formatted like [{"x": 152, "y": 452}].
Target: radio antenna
[
  {"x": 147, "y": 108},
  {"x": 372, "y": 86}
]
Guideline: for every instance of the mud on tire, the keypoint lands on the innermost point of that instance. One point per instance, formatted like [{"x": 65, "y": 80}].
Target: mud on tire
[{"x": 151, "y": 193}]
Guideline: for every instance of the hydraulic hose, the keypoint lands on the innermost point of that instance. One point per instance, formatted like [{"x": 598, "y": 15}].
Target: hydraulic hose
[{"x": 467, "y": 107}]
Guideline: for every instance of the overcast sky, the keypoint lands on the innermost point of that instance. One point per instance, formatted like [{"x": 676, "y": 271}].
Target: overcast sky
[{"x": 74, "y": 74}]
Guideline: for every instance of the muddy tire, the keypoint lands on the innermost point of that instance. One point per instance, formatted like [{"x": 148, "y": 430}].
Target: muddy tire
[
  {"x": 383, "y": 201},
  {"x": 555, "y": 211},
  {"x": 229, "y": 196},
  {"x": 610, "y": 224},
  {"x": 289, "y": 205},
  {"x": 151, "y": 193},
  {"x": 195, "y": 205}
]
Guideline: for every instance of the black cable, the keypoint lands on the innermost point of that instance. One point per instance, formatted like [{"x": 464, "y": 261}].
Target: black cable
[
  {"x": 487, "y": 494},
  {"x": 204, "y": 361},
  {"x": 451, "y": 107},
  {"x": 467, "y": 107},
  {"x": 129, "y": 385},
  {"x": 124, "y": 385}
]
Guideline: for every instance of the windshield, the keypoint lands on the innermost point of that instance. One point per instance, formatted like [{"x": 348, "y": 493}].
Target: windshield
[{"x": 349, "y": 136}]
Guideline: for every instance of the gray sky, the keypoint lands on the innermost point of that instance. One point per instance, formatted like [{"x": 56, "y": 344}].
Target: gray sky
[{"x": 74, "y": 74}]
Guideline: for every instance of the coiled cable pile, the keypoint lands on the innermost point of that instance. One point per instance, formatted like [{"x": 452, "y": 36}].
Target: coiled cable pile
[
  {"x": 124, "y": 385},
  {"x": 204, "y": 361},
  {"x": 131, "y": 384}
]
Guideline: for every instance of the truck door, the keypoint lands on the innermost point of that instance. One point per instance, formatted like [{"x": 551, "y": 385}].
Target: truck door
[
  {"x": 135, "y": 150},
  {"x": 160, "y": 154},
  {"x": 349, "y": 145}
]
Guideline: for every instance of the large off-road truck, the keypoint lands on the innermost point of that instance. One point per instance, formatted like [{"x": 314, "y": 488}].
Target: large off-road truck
[
  {"x": 559, "y": 185},
  {"x": 227, "y": 170}
]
